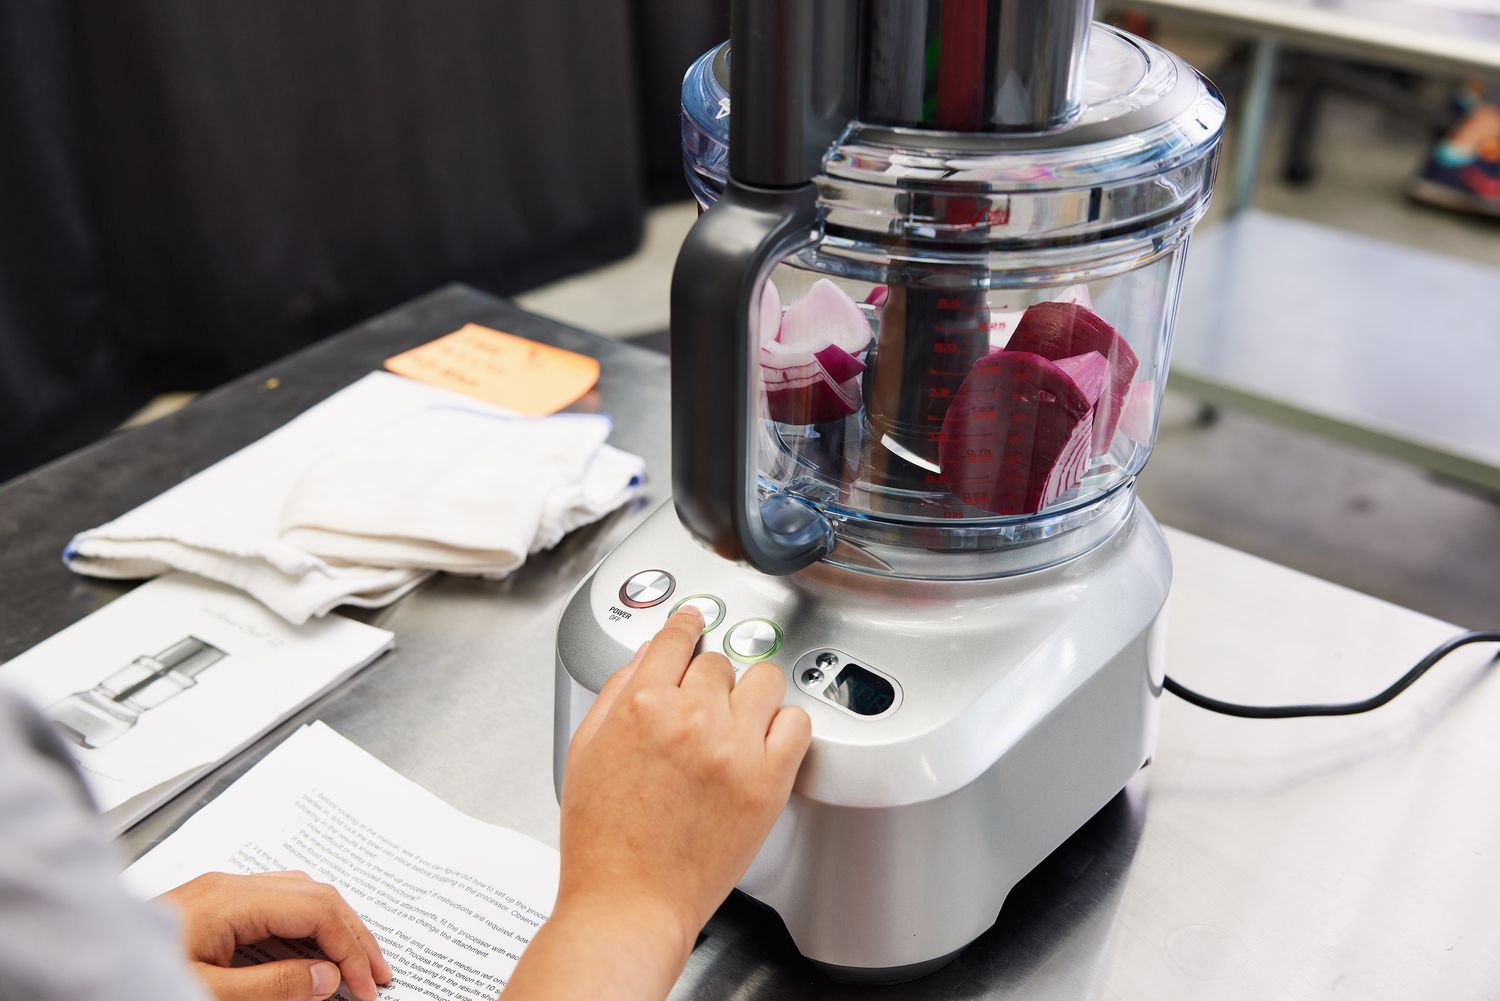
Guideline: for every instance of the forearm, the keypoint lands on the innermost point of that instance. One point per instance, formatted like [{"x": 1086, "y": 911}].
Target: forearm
[
  {"x": 603, "y": 951},
  {"x": 673, "y": 779},
  {"x": 68, "y": 928}
]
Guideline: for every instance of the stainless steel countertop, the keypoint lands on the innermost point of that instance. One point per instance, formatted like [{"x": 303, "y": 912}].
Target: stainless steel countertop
[{"x": 1340, "y": 858}]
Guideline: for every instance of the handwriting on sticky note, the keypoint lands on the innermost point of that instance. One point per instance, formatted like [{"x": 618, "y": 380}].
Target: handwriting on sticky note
[{"x": 501, "y": 369}]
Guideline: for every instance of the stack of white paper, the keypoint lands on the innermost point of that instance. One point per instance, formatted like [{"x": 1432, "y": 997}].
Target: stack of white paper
[
  {"x": 452, "y": 900},
  {"x": 167, "y": 681}
]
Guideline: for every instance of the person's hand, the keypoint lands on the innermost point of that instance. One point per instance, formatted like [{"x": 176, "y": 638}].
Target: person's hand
[
  {"x": 220, "y": 911},
  {"x": 672, "y": 783},
  {"x": 674, "y": 779}
]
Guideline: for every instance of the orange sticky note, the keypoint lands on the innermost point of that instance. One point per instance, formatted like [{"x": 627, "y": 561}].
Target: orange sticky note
[{"x": 501, "y": 369}]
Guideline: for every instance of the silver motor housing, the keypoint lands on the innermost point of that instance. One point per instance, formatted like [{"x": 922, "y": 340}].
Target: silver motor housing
[{"x": 991, "y": 719}]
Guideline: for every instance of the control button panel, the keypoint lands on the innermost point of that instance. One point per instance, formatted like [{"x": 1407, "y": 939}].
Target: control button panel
[
  {"x": 647, "y": 589},
  {"x": 752, "y": 640},
  {"x": 824, "y": 673},
  {"x": 711, "y": 607}
]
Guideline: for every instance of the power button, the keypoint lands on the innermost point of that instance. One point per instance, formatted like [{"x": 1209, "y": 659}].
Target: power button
[{"x": 647, "y": 588}]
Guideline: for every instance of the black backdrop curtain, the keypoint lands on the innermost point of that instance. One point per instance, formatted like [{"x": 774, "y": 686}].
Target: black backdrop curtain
[{"x": 189, "y": 188}]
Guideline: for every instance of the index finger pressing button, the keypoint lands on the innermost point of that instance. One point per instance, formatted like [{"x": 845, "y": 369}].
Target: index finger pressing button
[{"x": 710, "y": 607}]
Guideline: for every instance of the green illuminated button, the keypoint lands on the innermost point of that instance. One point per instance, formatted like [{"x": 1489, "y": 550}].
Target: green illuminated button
[
  {"x": 711, "y": 607},
  {"x": 753, "y": 640}
]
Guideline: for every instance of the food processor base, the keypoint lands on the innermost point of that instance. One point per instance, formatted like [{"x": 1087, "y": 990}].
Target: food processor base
[
  {"x": 887, "y": 974},
  {"x": 962, "y": 730}
]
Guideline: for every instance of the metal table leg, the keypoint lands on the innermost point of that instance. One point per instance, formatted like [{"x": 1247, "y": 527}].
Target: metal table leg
[{"x": 1252, "y": 121}]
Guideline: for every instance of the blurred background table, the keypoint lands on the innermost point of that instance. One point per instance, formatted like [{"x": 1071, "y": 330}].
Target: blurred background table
[
  {"x": 1336, "y": 858},
  {"x": 1346, "y": 337},
  {"x": 1315, "y": 327},
  {"x": 1449, "y": 39}
]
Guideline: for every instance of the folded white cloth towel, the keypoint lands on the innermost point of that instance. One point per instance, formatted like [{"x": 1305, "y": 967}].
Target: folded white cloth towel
[
  {"x": 461, "y": 490},
  {"x": 226, "y": 522}
]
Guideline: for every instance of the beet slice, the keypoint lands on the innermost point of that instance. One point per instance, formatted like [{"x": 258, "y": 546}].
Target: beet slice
[
  {"x": 1017, "y": 435},
  {"x": 1058, "y": 330}
]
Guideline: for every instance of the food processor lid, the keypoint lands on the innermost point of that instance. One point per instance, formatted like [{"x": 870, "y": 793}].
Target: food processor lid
[
  {"x": 1128, "y": 86},
  {"x": 1143, "y": 111},
  {"x": 705, "y": 123},
  {"x": 1142, "y": 114}
]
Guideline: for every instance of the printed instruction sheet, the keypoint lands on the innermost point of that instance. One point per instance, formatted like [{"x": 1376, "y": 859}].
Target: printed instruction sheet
[
  {"x": 453, "y": 900},
  {"x": 172, "y": 678}
]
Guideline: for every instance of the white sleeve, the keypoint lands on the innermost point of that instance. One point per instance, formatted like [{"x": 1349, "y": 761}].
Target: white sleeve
[{"x": 68, "y": 930}]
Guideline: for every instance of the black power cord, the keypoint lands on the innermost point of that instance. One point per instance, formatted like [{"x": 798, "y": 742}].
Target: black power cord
[{"x": 1335, "y": 708}]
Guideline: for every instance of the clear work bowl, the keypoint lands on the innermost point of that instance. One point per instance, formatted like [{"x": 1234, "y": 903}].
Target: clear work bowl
[{"x": 962, "y": 369}]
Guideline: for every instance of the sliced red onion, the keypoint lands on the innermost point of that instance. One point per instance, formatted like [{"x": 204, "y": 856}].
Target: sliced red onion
[
  {"x": 840, "y": 365},
  {"x": 1017, "y": 434},
  {"x": 1072, "y": 466},
  {"x": 1058, "y": 330},
  {"x": 810, "y": 370},
  {"x": 824, "y": 316},
  {"x": 1089, "y": 372},
  {"x": 815, "y": 389},
  {"x": 1138, "y": 416},
  {"x": 770, "y": 312}
]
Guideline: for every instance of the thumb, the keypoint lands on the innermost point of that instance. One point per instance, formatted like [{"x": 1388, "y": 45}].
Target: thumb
[{"x": 288, "y": 980}]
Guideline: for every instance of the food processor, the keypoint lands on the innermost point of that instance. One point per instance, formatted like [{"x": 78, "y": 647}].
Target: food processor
[{"x": 919, "y": 339}]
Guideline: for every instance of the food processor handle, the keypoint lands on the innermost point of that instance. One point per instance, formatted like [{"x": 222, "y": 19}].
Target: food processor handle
[
  {"x": 715, "y": 372},
  {"x": 792, "y": 81}
]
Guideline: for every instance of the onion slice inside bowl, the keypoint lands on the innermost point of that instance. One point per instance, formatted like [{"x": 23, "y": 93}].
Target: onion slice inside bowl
[
  {"x": 770, "y": 313},
  {"x": 824, "y": 316},
  {"x": 808, "y": 388},
  {"x": 810, "y": 368},
  {"x": 1017, "y": 435},
  {"x": 1058, "y": 330},
  {"x": 1139, "y": 413}
]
